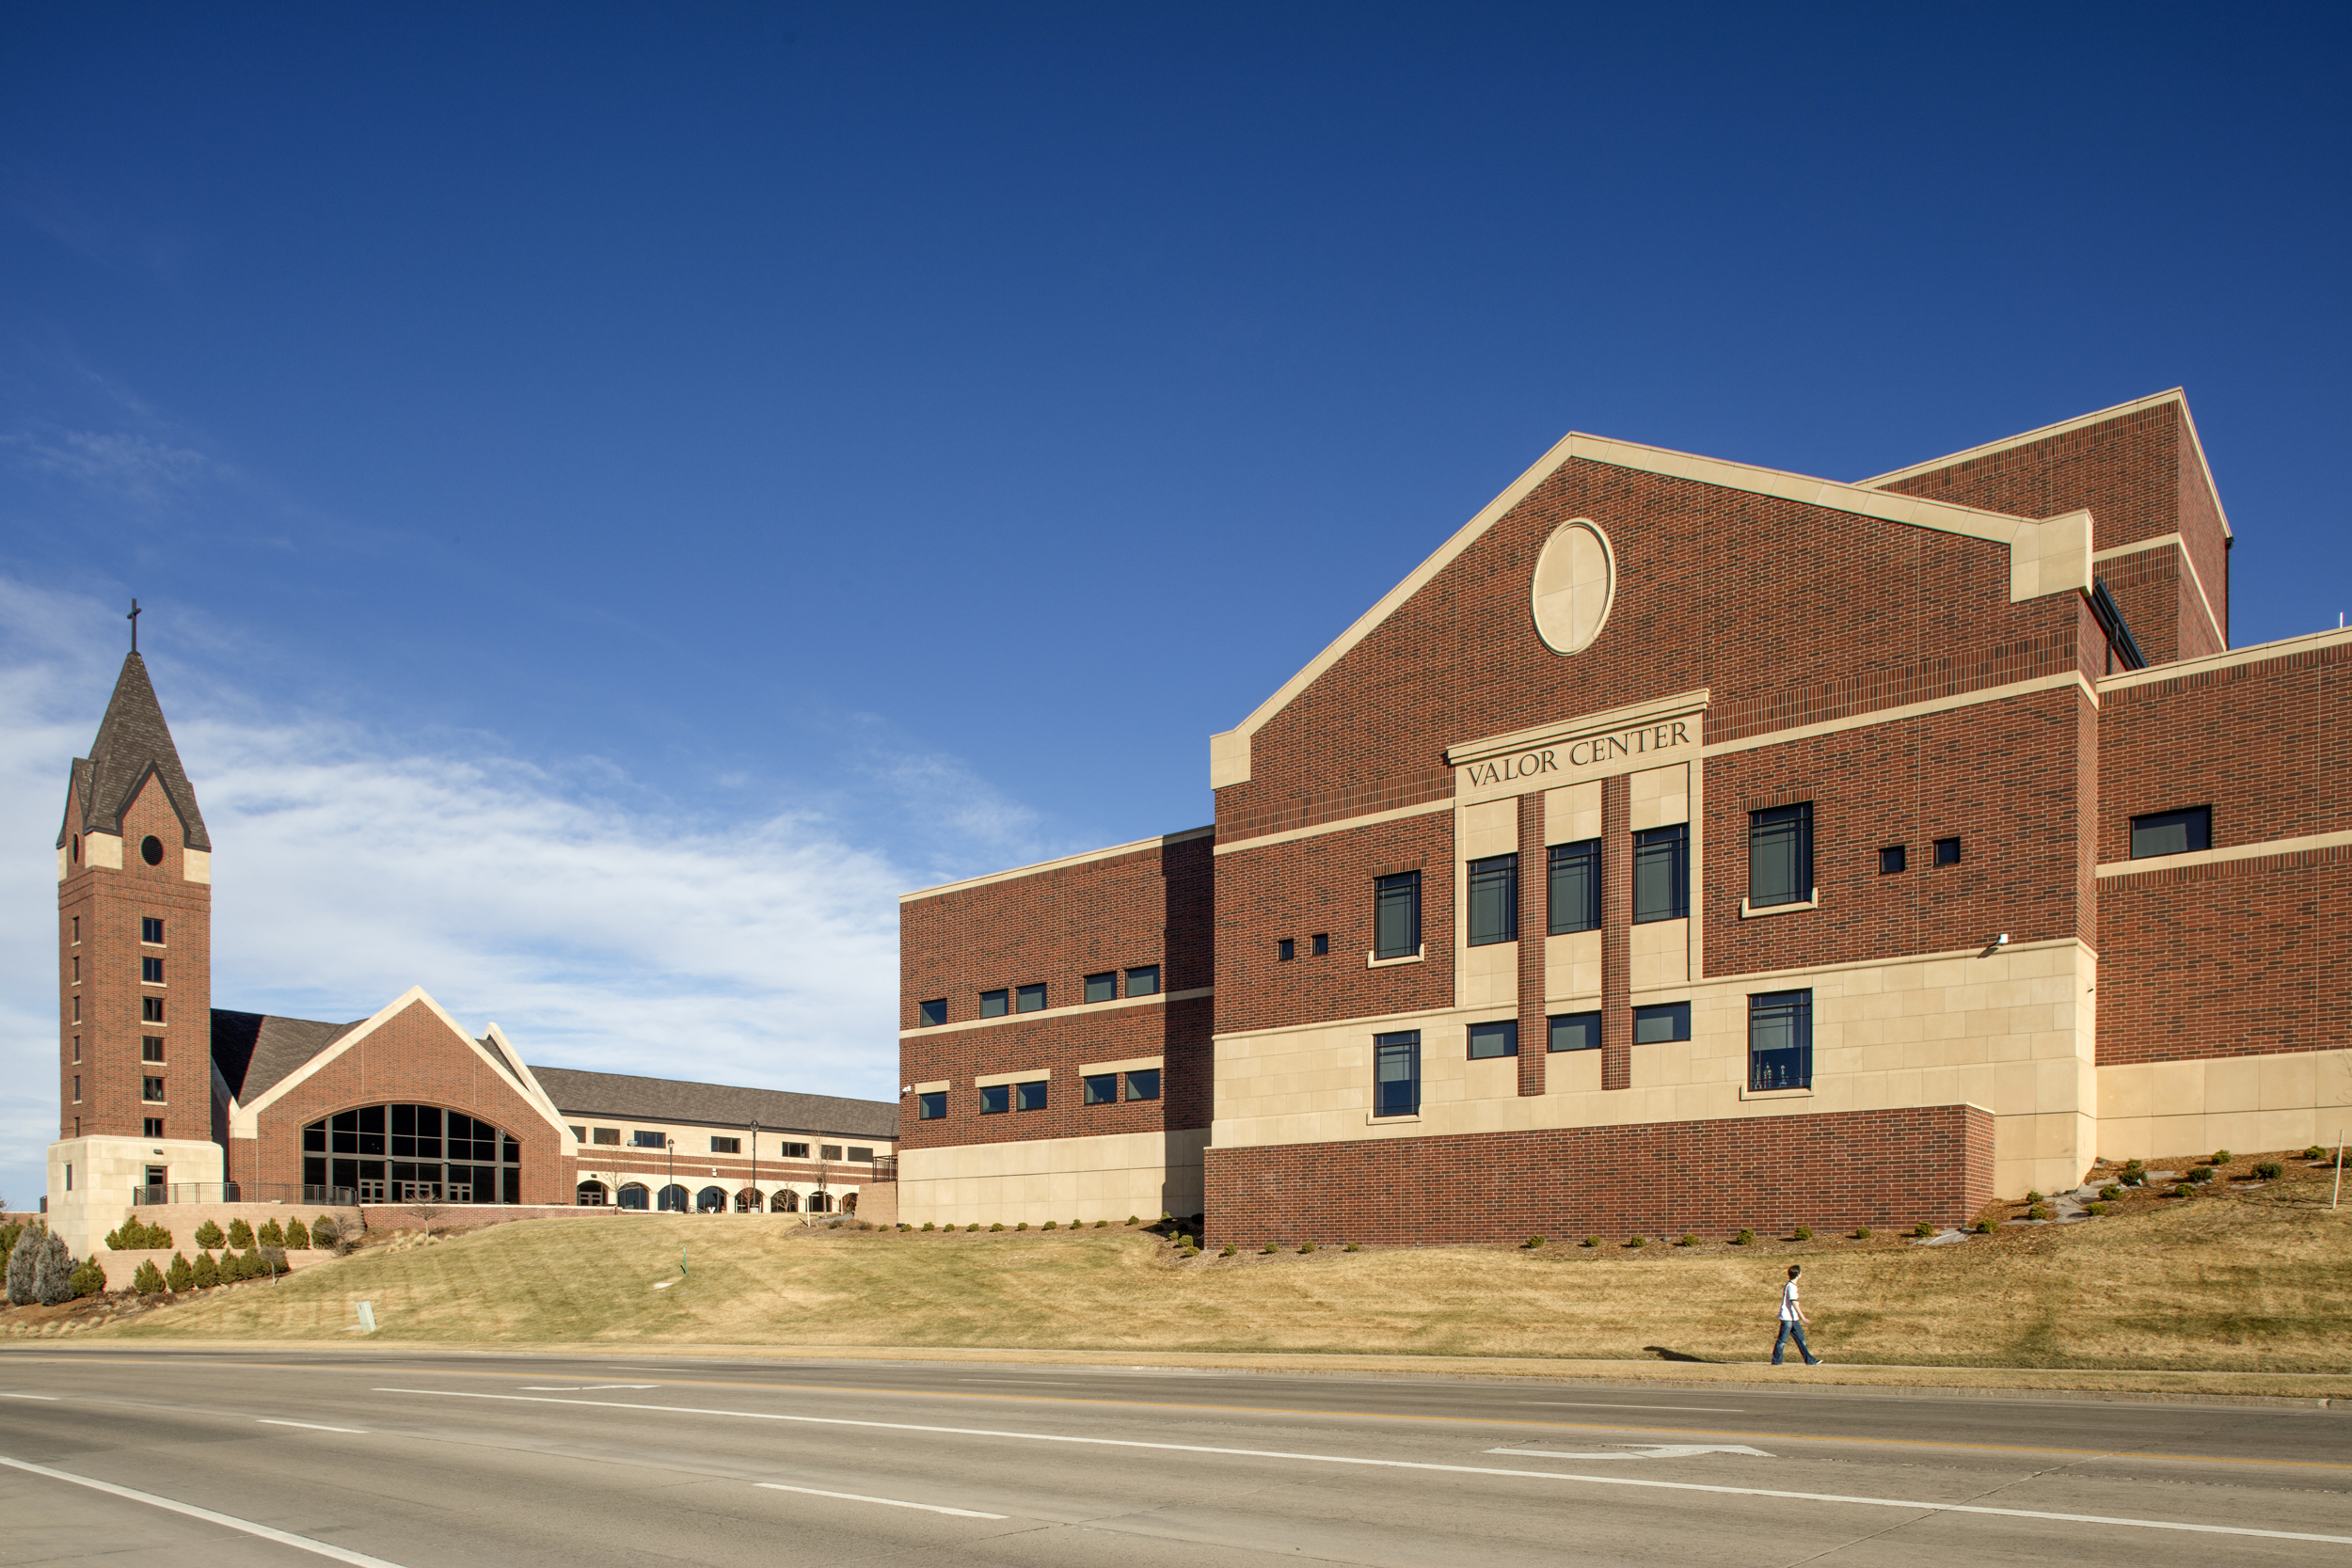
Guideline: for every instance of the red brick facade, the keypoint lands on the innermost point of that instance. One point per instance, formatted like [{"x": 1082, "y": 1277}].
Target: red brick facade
[
  {"x": 99, "y": 973},
  {"x": 1877, "y": 1169}
]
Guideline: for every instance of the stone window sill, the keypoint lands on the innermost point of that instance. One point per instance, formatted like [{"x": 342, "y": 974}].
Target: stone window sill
[
  {"x": 1750, "y": 911},
  {"x": 1373, "y": 1120},
  {"x": 1413, "y": 957},
  {"x": 1747, "y": 1093}
]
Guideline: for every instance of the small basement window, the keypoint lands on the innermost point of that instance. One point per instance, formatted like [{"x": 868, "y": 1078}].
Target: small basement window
[{"x": 2172, "y": 832}]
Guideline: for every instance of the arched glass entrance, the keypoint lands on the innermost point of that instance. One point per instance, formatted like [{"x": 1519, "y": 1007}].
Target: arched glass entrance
[{"x": 413, "y": 1154}]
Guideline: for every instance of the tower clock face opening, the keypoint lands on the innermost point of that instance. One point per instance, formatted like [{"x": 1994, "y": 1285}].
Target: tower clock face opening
[{"x": 152, "y": 850}]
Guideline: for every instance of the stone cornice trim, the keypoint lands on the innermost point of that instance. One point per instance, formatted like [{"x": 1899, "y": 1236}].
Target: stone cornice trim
[
  {"x": 1066, "y": 1010},
  {"x": 1084, "y": 858},
  {"x": 2179, "y": 543},
  {"x": 2286, "y": 647},
  {"x": 2234, "y": 853},
  {"x": 1909, "y": 710},
  {"x": 1371, "y": 818}
]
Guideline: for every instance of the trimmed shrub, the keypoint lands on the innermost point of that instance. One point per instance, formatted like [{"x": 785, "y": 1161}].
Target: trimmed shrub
[
  {"x": 1746, "y": 1238},
  {"x": 1270, "y": 1247},
  {"x": 1590, "y": 1241},
  {"x": 2094, "y": 1208},
  {"x": 1803, "y": 1233},
  {"x": 1132, "y": 1220},
  {"x": 1861, "y": 1232},
  {"x": 53, "y": 1271},
  {"x": 239, "y": 1234},
  {"x": 2198, "y": 1174},
  {"x": 297, "y": 1239},
  {"x": 88, "y": 1276},
  {"x": 928, "y": 1225},
  {"x": 1689, "y": 1238},
  {"x": 149, "y": 1280},
  {"x": 2033, "y": 1198},
  {"x": 136, "y": 1235},
  {"x": 2269, "y": 1170},
  {"x": 1102, "y": 1224},
  {"x": 1229, "y": 1250},
  {"x": 974, "y": 1226},
  {"x": 2134, "y": 1178},
  {"x": 1353, "y": 1248},
  {"x": 1983, "y": 1227},
  {"x": 2038, "y": 1211},
  {"x": 1533, "y": 1242},
  {"x": 1192, "y": 1252},
  {"x": 1923, "y": 1228},
  {"x": 2220, "y": 1157},
  {"x": 272, "y": 1234},
  {"x": 998, "y": 1225},
  {"x": 1305, "y": 1247},
  {"x": 1051, "y": 1225},
  {"x": 207, "y": 1273},
  {"x": 1637, "y": 1241},
  {"x": 208, "y": 1236},
  {"x": 2110, "y": 1192},
  {"x": 180, "y": 1275},
  {"x": 2314, "y": 1153}
]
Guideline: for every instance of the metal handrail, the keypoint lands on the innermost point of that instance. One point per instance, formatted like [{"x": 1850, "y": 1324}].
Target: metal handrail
[{"x": 244, "y": 1192}]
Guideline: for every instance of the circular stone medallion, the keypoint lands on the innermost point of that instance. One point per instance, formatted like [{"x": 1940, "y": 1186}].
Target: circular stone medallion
[{"x": 1576, "y": 577}]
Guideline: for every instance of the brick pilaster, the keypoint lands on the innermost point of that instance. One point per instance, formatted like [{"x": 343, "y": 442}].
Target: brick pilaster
[{"x": 1534, "y": 921}]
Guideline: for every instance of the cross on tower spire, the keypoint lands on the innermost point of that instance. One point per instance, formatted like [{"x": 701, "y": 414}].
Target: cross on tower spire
[{"x": 133, "y": 619}]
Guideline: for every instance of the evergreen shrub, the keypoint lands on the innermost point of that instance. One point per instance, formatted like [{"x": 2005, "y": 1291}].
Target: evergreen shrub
[
  {"x": 1229, "y": 1250},
  {"x": 2269, "y": 1170},
  {"x": 1132, "y": 1220},
  {"x": 998, "y": 1226},
  {"x": 180, "y": 1275},
  {"x": 272, "y": 1234},
  {"x": 239, "y": 1234},
  {"x": 1351, "y": 1248},
  {"x": 1688, "y": 1240},
  {"x": 1051, "y": 1224},
  {"x": 88, "y": 1277},
  {"x": 1269, "y": 1247},
  {"x": 208, "y": 1236},
  {"x": 1590, "y": 1241},
  {"x": 1533, "y": 1242},
  {"x": 2094, "y": 1208},
  {"x": 2220, "y": 1157},
  {"x": 1861, "y": 1232},
  {"x": 53, "y": 1271},
  {"x": 207, "y": 1272},
  {"x": 297, "y": 1239},
  {"x": 1305, "y": 1248},
  {"x": 2110, "y": 1192},
  {"x": 1023, "y": 1225},
  {"x": 1100, "y": 1223},
  {"x": 2314, "y": 1153},
  {"x": 1637, "y": 1241},
  {"x": 1984, "y": 1228},
  {"x": 2198, "y": 1174},
  {"x": 1746, "y": 1238},
  {"x": 974, "y": 1226},
  {"x": 1803, "y": 1233},
  {"x": 927, "y": 1225},
  {"x": 149, "y": 1281},
  {"x": 2038, "y": 1211},
  {"x": 1923, "y": 1228}
]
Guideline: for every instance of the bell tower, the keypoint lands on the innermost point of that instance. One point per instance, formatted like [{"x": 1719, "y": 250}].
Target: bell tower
[{"x": 134, "y": 912}]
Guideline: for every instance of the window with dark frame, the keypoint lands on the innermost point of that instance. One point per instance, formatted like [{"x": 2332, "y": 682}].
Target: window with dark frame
[
  {"x": 1574, "y": 1032},
  {"x": 1494, "y": 900},
  {"x": 643, "y": 1139},
  {"x": 1144, "y": 1083},
  {"x": 994, "y": 1004},
  {"x": 607, "y": 1136},
  {"x": 151, "y": 1009},
  {"x": 861, "y": 1156},
  {"x": 150, "y": 972},
  {"x": 1662, "y": 1022},
  {"x": 1780, "y": 856},
  {"x": 1396, "y": 1074},
  {"x": 153, "y": 1127},
  {"x": 151, "y": 1048},
  {"x": 726, "y": 1146},
  {"x": 1780, "y": 1040},
  {"x": 1500, "y": 1038},
  {"x": 1100, "y": 1088},
  {"x": 151, "y": 1089},
  {"x": 1029, "y": 999},
  {"x": 77, "y": 1088},
  {"x": 151, "y": 930},
  {"x": 929, "y": 1015},
  {"x": 1948, "y": 851},
  {"x": 829, "y": 1151},
  {"x": 793, "y": 1151},
  {"x": 932, "y": 1107},
  {"x": 1322, "y": 944},
  {"x": 1104, "y": 986},
  {"x": 1144, "y": 980},
  {"x": 1285, "y": 949},
  {"x": 1892, "y": 859},
  {"x": 1396, "y": 916},
  {"x": 1575, "y": 887},
  {"x": 2172, "y": 832},
  {"x": 1030, "y": 1095},
  {"x": 1661, "y": 874}
]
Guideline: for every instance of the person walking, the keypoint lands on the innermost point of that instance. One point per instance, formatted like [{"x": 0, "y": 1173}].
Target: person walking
[{"x": 1792, "y": 1321}]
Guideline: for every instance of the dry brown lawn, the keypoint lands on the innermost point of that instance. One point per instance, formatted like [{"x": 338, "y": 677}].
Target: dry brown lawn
[{"x": 2257, "y": 1281}]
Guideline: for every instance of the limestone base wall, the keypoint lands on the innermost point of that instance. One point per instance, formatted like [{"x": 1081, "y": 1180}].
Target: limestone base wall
[
  {"x": 1108, "y": 1178},
  {"x": 2288, "y": 1101}
]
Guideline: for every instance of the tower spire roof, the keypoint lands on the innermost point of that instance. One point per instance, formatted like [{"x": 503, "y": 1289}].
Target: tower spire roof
[{"x": 132, "y": 742}]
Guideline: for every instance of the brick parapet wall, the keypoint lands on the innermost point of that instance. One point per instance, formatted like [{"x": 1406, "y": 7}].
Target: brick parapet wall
[
  {"x": 1060, "y": 1043},
  {"x": 110, "y": 904},
  {"x": 1324, "y": 884},
  {"x": 1881, "y": 1168},
  {"x": 1057, "y": 926}
]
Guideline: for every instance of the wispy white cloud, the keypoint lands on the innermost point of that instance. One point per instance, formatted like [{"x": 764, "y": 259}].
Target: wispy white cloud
[
  {"x": 119, "y": 464},
  {"x": 601, "y": 923}
]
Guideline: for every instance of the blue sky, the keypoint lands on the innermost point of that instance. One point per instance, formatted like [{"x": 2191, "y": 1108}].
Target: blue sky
[{"x": 622, "y": 492}]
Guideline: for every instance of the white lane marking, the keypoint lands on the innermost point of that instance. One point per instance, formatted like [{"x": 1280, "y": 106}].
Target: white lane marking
[
  {"x": 890, "y": 1502},
  {"x": 308, "y": 1426},
  {"x": 581, "y": 1387},
  {"x": 1394, "y": 1464},
  {"x": 1695, "y": 1409},
  {"x": 301, "y": 1542},
  {"x": 1643, "y": 1451},
  {"x": 49, "y": 1398}
]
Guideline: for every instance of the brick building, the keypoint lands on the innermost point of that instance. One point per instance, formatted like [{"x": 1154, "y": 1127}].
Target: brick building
[
  {"x": 1688, "y": 845},
  {"x": 166, "y": 1102}
]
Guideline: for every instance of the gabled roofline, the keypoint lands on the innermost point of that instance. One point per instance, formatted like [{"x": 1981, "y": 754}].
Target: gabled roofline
[
  {"x": 1161, "y": 842},
  {"x": 1229, "y": 751},
  {"x": 533, "y": 1089},
  {"x": 244, "y": 1120},
  {"x": 2154, "y": 400}
]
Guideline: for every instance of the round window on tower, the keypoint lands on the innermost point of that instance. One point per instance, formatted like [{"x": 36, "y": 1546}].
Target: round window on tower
[{"x": 152, "y": 850}]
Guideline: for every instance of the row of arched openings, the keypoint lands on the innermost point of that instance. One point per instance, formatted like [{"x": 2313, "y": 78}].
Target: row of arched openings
[{"x": 676, "y": 1199}]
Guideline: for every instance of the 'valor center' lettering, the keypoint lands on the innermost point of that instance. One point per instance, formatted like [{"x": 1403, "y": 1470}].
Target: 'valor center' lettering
[{"x": 1582, "y": 754}]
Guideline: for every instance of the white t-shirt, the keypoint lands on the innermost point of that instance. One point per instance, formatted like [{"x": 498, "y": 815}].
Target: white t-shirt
[{"x": 1789, "y": 1302}]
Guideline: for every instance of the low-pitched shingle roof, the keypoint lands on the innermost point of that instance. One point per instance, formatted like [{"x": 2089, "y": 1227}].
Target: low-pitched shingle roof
[
  {"x": 620, "y": 1096},
  {"x": 257, "y": 1052}
]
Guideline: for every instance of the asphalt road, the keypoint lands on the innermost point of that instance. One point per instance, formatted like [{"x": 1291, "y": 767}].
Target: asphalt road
[{"x": 193, "y": 1458}]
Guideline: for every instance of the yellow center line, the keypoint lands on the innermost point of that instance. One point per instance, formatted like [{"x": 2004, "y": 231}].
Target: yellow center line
[{"x": 1327, "y": 1414}]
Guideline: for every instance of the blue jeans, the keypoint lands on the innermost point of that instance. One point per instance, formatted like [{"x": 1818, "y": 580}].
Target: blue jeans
[{"x": 1791, "y": 1329}]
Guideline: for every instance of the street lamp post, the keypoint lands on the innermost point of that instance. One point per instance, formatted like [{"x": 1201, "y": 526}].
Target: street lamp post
[
  {"x": 673, "y": 1186},
  {"x": 755, "y": 1156}
]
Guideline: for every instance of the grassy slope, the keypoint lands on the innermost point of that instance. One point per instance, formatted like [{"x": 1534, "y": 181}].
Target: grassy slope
[{"x": 2261, "y": 1281}]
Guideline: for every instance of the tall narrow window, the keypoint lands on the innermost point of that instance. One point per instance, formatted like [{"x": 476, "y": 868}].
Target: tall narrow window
[
  {"x": 2172, "y": 832},
  {"x": 1780, "y": 856},
  {"x": 1494, "y": 900},
  {"x": 1661, "y": 874},
  {"x": 150, "y": 972},
  {"x": 1031, "y": 999},
  {"x": 151, "y": 1048},
  {"x": 1396, "y": 1074},
  {"x": 1780, "y": 1040},
  {"x": 992, "y": 1003},
  {"x": 932, "y": 1014},
  {"x": 1499, "y": 1038},
  {"x": 151, "y": 930},
  {"x": 153, "y": 1128},
  {"x": 1576, "y": 887},
  {"x": 1396, "y": 916},
  {"x": 77, "y": 1088},
  {"x": 151, "y": 1089},
  {"x": 150, "y": 1008}
]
